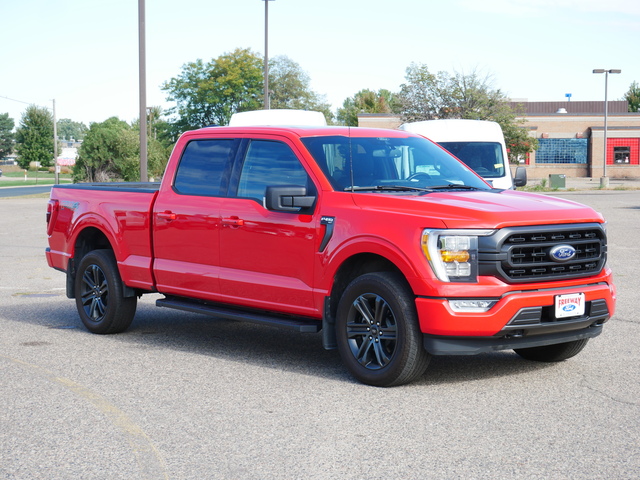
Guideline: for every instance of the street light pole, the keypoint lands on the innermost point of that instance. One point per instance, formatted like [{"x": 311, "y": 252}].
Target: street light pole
[
  {"x": 266, "y": 53},
  {"x": 604, "y": 181}
]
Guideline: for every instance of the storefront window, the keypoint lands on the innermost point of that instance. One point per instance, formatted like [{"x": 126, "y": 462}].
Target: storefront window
[
  {"x": 562, "y": 150},
  {"x": 621, "y": 154}
]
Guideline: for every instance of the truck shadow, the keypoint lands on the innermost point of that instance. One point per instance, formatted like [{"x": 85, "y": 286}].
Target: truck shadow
[{"x": 267, "y": 347}]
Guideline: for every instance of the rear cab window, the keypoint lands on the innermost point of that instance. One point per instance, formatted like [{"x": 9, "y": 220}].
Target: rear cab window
[{"x": 205, "y": 166}]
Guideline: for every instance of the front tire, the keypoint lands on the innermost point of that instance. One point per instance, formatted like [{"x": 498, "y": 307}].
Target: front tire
[
  {"x": 553, "y": 353},
  {"x": 377, "y": 331},
  {"x": 100, "y": 300}
]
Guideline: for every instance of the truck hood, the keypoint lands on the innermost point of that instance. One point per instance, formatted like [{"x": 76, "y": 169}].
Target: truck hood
[{"x": 482, "y": 209}]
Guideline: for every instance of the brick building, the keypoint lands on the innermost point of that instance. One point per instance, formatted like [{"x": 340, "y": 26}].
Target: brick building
[{"x": 571, "y": 139}]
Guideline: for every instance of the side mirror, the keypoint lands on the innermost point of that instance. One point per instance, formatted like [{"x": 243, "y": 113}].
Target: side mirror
[
  {"x": 520, "y": 179},
  {"x": 288, "y": 198}
]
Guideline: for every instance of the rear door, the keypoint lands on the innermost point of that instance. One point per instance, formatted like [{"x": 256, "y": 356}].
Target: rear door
[
  {"x": 186, "y": 220},
  {"x": 266, "y": 256}
]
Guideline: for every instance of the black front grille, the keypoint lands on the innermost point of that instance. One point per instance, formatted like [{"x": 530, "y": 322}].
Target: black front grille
[{"x": 523, "y": 254}]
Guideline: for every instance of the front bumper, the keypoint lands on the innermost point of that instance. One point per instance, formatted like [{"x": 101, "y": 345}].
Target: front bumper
[
  {"x": 518, "y": 320},
  {"x": 476, "y": 345}
]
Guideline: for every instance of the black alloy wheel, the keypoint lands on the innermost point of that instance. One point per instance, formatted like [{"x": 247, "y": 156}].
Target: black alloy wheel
[
  {"x": 378, "y": 335},
  {"x": 100, "y": 300}
]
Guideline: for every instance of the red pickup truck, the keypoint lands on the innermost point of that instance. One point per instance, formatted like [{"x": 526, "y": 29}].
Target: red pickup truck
[{"x": 381, "y": 239}]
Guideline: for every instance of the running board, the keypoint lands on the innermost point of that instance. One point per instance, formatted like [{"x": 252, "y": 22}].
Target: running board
[{"x": 301, "y": 325}]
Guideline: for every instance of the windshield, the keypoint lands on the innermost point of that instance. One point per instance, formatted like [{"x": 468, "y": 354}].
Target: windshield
[
  {"x": 485, "y": 158},
  {"x": 389, "y": 164}
]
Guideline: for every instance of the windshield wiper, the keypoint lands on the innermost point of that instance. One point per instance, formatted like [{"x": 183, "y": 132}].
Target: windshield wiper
[
  {"x": 454, "y": 186},
  {"x": 406, "y": 188},
  {"x": 390, "y": 188}
]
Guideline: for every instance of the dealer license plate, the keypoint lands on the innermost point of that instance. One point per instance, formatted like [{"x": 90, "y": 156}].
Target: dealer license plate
[{"x": 570, "y": 305}]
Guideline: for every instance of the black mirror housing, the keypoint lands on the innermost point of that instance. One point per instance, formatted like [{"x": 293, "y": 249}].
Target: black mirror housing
[
  {"x": 520, "y": 179},
  {"x": 288, "y": 198}
]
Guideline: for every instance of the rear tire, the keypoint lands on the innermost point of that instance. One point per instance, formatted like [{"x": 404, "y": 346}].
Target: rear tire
[
  {"x": 553, "y": 353},
  {"x": 377, "y": 331},
  {"x": 100, "y": 300}
]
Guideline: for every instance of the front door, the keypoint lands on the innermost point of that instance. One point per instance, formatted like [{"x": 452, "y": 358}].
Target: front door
[{"x": 266, "y": 257}]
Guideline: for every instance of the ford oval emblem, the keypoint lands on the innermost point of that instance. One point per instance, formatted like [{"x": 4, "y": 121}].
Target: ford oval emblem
[{"x": 562, "y": 253}]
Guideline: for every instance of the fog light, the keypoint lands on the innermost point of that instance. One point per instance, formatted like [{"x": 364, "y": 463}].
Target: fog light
[{"x": 471, "y": 305}]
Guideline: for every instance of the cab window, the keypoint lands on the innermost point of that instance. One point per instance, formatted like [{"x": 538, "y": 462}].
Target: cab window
[
  {"x": 204, "y": 167},
  {"x": 270, "y": 163}
]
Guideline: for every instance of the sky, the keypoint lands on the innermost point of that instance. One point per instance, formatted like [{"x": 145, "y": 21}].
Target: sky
[{"x": 84, "y": 54}]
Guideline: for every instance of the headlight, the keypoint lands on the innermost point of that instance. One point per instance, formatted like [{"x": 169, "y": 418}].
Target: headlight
[{"x": 453, "y": 254}]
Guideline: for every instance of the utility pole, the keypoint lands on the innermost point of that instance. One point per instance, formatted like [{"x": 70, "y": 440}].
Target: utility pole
[
  {"x": 143, "y": 91},
  {"x": 56, "y": 168},
  {"x": 266, "y": 54}
]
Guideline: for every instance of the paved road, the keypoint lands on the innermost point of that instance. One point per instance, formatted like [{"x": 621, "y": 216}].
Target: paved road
[
  {"x": 182, "y": 396},
  {"x": 22, "y": 191}
]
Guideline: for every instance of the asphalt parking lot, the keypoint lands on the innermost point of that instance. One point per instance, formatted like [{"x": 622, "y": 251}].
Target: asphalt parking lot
[{"x": 183, "y": 396}]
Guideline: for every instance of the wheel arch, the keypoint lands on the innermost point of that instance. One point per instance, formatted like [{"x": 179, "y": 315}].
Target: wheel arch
[
  {"x": 356, "y": 266},
  {"x": 88, "y": 239},
  {"x": 351, "y": 268}
]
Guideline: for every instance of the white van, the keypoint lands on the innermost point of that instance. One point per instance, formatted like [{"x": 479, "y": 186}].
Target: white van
[
  {"x": 278, "y": 117},
  {"x": 478, "y": 143}
]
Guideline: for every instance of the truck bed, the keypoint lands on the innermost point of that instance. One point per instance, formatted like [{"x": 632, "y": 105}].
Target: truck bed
[
  {"x": 146, "y": 187},
  {"x": 122, "y": 213}
]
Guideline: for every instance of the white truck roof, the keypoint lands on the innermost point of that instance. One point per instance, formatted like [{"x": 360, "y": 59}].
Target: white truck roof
[
  {"x": 278, "y": 117},
  {"x": 456, "y": 130}
]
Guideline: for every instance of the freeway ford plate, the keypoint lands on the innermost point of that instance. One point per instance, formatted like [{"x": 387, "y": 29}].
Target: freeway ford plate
[{"x": 570, "y": 305}]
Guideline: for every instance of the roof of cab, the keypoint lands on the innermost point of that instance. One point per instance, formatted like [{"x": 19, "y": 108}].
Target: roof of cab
[
  {"x": 278, "y": 117},
  {"x": 302, "y": 123},
  {"x": 307, "y": 131}
]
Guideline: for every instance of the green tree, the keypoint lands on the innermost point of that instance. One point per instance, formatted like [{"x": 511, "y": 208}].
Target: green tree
[
  {"x": 34, "y": 137},
  {"x": 110, "y": 151},
  {"x": 159, "y": 141},
  {"x": 209, "y": 93},
  {"x": 366, "y": 101},
  {"x": 516, "y": 136},
  {"x": 289, "y": 87},
  {"x": 157, "y": 157},
  {"x": 428, "y": 96},
  {"x": 68, "y": 129},
  {"x": 425, "y": 96},
  {"x": 6, "y": 135},
  {"x": 474, "y": 99},
  {"x": 633, "y": 97}
]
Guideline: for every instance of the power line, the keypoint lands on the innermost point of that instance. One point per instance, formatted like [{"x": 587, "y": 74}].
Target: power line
[
  {"x": 26, "y": 103},
  {"x": 14, "y": 100}
]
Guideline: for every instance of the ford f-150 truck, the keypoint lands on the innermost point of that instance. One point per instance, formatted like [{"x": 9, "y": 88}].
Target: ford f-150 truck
[{"x": 392, "y": 247}]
